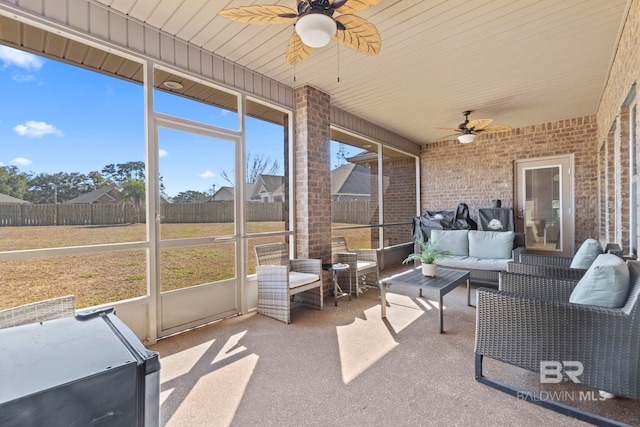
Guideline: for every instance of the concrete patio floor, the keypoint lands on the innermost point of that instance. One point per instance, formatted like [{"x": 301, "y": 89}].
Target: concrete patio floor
[{"x": 347, "y": 366}]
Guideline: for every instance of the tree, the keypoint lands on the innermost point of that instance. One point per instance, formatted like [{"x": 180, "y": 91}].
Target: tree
[
  {"x": 133, "y": 190},
  {"x": 189, "y": 196},
  {"x": 341, "y": 155},
  {"x": 256, "y": 166},
  {"x": 98, "y": 180},
  {"x": 120, "y": 172},
  {"x": 13, "y": 182},
  {"x": 58, "y": 187}
]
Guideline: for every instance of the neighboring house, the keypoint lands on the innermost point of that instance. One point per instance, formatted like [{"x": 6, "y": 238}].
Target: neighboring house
[
  {"x": 6, "y": 199},
  {"x": 351, "y": 182},
  {"x": 107, "y": 194},
  {"x": 222, "y": 194},
  {"x": 267, "y": 188},
  {"x": 348, "y": 182}
]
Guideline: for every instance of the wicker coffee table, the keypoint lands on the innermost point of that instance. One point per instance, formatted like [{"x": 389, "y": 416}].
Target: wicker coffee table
[{"x": 444, "y": 282}]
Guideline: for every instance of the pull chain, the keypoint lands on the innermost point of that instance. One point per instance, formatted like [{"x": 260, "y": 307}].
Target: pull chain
[{"x": 338, "y": 54}]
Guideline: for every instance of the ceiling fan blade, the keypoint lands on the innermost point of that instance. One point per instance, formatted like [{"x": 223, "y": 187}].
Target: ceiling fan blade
[
  {"x": 353, "y": 6},
  {"x": 296, "y": 50},
  {"x": 359, "y": 34},
  {"x": 478, "y": 124},
  {"x": 496, "y": 129},
  {"x": 450, "y": 129},
  {"x": 260, "y": 14}
]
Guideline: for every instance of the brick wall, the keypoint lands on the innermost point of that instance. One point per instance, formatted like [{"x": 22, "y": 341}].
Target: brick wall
[
  {"x": 479, "y": 172},
  {"x": 622, "y": 179},
  {"x": 610, "y": 185},
  {"x": 399, "y": 199},
  {"x": 313, "y": 179},
  {"x": 602, "y": 190},
  {"x": 625, "y": 71},
  {"x": 615, "y": 196}
]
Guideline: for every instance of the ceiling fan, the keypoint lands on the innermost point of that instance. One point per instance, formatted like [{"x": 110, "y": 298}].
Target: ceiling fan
[
  {"x": 467, "y": 131},
  {"x": 315, "y": 25}
]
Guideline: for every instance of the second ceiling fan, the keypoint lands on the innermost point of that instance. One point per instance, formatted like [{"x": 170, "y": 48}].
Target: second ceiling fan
[
  {"x": 467, "y": 130},
  {"x": 315, "y": 25}
]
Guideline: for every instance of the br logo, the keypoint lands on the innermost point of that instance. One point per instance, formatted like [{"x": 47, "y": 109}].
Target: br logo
[{"x": 552, "y": 371}]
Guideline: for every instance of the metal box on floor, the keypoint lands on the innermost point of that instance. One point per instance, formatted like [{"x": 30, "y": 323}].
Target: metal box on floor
[{"x": 87, "y": 370}]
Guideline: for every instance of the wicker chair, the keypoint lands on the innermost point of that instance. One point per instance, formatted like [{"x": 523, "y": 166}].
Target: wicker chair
[
  {"x": 363, "y": 264},
  {"x": 558, "y": 271},
  {"x": 530, "y": 320},
  {"x": 39, "y": 311},
  {"x": 282, "y": 280},
  {"x": 552, "y": 266}
]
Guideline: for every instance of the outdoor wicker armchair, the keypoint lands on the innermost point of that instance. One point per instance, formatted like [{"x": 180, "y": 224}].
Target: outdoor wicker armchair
[
  {"x": 530, "y": 320},
  {"x": 282, "y": 280},
  {"x": 552, "y": 271},
  {"x": 38, "y": 311},
  {"x": 551, "y": 261},
  {"x": 556, "y": 266},
  {"x": 363, "y": 264}
]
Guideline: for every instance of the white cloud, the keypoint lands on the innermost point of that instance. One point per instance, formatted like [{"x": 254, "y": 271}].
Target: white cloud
[
  {"x": 20, "y": 59},
  {"x": 35, "y": 129},
  {"x": 1, "y": 164},
  {"x": 23, "y": 77},
  {"x": 207, "y": 174},
  {"x": 163, "y": 153},
  {"x": 21, "y": 161}
]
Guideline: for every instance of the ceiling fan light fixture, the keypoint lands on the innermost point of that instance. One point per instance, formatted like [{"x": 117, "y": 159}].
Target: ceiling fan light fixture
[
  {"x": 316, "y": 29},
  {"x": 466, "y": 138}
]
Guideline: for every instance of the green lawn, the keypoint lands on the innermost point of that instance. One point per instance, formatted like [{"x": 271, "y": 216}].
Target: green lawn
[{"x": 112, "y": 276}]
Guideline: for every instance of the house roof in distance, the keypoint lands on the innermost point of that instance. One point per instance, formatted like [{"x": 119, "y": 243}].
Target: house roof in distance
[{"x": 5, "y": 198}]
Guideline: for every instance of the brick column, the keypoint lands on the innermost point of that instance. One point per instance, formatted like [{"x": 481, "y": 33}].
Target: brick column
[
  {"x": 623, "y": 171},
  {"x": 312, "y": 174},
  {"x": 611, "y": 187}
]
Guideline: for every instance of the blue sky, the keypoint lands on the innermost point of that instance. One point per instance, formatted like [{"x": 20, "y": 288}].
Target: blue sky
[{"x": 56, "y": 117}]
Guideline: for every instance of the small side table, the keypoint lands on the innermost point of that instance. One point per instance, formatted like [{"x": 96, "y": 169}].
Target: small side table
[{"x": 337, "y": 290}]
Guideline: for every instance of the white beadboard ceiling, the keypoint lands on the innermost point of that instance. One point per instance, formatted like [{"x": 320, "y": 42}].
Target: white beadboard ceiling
[{"x": 518, "y": 62}]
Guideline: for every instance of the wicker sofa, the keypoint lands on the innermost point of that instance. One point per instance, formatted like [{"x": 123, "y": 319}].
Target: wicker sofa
[{"x": 484, "y": 254}]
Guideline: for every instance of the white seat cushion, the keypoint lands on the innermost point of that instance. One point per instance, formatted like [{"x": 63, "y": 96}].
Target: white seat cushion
[
  {"x": 473, "y": 263},
  {"x": 299, "y": 279},
  {"x": 363, "y": 265}
]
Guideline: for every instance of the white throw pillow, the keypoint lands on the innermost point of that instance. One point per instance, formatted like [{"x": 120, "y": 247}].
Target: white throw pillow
[
  {"x": 586, "y": 254},
  {"x": 491, "y": 244},
  {"x": 606, "y": 283},
  {"x": 454, "y": 241}
]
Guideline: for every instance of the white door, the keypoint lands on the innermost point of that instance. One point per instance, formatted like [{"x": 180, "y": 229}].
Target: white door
[
  {"x": 544, "y": 204},
  {"x": 197, "y": 254}
]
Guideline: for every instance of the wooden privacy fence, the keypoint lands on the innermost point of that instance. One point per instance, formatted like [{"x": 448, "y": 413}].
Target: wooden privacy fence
[{"x": 356, "y": 212}]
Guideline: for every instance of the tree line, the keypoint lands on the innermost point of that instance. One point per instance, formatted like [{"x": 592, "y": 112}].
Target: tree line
[
  {"x": 62, "y": 186},
  {"x": 128, "y": 177}
]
